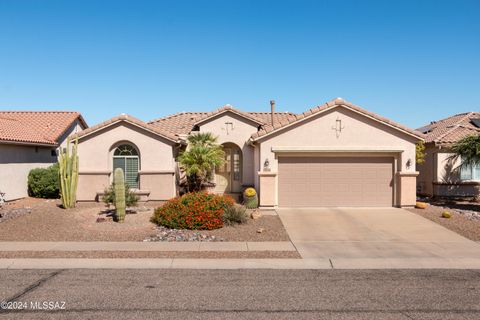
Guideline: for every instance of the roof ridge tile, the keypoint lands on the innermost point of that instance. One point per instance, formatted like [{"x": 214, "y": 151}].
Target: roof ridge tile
[{"x": 334, "y": 103}]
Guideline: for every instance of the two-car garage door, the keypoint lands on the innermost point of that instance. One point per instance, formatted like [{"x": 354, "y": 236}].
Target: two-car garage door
[{"x": 335, "y": 181}]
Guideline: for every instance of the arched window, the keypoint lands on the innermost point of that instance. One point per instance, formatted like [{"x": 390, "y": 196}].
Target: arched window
[{"x": 126, "y": 157}]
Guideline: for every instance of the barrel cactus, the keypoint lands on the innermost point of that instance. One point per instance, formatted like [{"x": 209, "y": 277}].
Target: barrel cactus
[
  {"x": 421, "y": 205},
  {"x": 119, "y": 185},
  {"x": 250, "y": 198}
]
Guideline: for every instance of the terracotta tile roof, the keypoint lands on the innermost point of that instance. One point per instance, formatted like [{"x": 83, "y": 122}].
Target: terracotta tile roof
[
  {"x": 266, "y": 117},
  {"x": 178, "y": 123},
  {"x": 133, "y": 120},
  {"x": 449, "y": 130},
  {"x": 36, "y": 127},
  {"x": 329, "y": 105},
  {"x": 226, "y": 108},
  {"x": 183, "y": 122}
]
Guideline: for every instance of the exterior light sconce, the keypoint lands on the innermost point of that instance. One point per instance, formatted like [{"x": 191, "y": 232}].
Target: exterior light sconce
[
  {"x": 338, "y": 127},
  {"x": 409, "y": 163},
  {"x": 266, "y": 165}
]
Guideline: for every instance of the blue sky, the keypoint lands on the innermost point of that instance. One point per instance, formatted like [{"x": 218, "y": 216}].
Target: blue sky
[{"x": 411, "y": 61}]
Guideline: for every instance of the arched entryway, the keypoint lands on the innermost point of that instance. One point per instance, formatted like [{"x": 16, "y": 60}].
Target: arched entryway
[{"x": 228, "y": 177}]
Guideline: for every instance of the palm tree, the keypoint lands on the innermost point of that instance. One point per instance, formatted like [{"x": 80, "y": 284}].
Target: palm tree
[
  {"x": 203, "y": 154},
  {"x": 468, "y": 150},
  {"x": 202, "y": 139}
]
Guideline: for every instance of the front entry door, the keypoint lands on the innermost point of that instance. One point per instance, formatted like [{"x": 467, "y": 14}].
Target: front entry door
[{"x": 223, "y": 179}]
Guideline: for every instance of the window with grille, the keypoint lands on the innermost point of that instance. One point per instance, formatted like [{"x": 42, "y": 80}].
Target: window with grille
[
  {"x": 470, "y": 172},
  {"x": 236, "y": 165},
  {"x": 126, "y": 157}
]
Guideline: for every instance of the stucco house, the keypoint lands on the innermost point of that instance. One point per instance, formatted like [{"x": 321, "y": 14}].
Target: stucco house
[
  {"x": 440, "y": 175},
  {"x": 336, "y": 154},
  {"x": 28, "y": 140}
]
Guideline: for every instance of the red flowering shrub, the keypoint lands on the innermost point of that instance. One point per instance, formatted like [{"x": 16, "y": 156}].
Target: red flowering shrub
[{"x": 196, "y": 210}]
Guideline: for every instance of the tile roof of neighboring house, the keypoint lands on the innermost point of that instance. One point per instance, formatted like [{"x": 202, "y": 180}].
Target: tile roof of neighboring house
[
  {"x": 326, "y": 106},
  {"x": 133, "y": 120},
  {"x": 451, "y": 129},
  {"x": 183, "y": 122},
  {"x": 36, "y": 127}
]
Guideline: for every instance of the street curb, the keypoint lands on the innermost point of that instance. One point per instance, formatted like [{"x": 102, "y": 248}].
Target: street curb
[
  {"x": 174, "y": 263},
  {"x": 16, "y": 246}
]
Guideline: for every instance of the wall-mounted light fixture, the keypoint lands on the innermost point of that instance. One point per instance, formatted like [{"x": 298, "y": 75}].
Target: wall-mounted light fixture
[
  {"x": 409, "y": 163},
  {"x": 266, "y": 165}
]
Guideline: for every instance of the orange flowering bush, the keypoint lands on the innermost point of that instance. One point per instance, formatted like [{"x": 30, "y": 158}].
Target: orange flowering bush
[{"x": 196, "y": 210}]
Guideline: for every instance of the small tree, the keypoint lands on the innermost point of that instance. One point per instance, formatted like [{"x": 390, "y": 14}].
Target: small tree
[
  {"x": 468, "y": 150},
  {"x": 420, "y": 152},
  {"x": 203, "y": 154}
]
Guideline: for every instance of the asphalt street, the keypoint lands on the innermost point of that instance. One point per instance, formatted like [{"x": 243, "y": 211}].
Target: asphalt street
[{"x": 240, "y": 294}]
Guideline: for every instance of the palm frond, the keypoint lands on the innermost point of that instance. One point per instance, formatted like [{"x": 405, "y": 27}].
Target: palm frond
[{"x": 468, "y": 150}]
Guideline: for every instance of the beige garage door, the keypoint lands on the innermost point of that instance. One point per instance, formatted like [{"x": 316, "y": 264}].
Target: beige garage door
[{"x": 335, "y": 181}]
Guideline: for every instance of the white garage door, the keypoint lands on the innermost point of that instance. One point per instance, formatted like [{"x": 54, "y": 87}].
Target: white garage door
[{"x": 335, "y": 181}]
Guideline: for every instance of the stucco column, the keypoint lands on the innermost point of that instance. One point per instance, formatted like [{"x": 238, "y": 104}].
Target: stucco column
[
  {"x": 268, "y": 183},
  {"x": 407, "y": 184}
]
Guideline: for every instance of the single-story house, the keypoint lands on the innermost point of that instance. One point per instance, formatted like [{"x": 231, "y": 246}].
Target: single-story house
[
  {"x": 28, "y": 140},
  {"x": 336, "y": 154},
  {"x": 441, "y": 175}
]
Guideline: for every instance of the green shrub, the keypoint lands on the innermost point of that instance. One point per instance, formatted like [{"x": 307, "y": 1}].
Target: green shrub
[
  {"x": 235, "y": 214},
  {"x": 196, "y": 210},
  {"x": 131, "y": 198},
  {"x": 44, "y": 182}
]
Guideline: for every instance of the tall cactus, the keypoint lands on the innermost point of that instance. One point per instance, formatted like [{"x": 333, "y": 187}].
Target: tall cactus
[
  {"x": 119, "y": 185},
  {"x": 68, "y": 172}
]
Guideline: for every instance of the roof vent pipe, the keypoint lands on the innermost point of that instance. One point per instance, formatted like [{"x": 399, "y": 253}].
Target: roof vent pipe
[{"x": 272, "y": 107}]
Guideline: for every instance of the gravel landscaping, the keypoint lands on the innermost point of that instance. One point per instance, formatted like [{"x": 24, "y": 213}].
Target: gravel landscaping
[
  {"x": 46, "y": 221},
  {"x": 465, "y": 218},
  {"x": 153, "y": 254}
]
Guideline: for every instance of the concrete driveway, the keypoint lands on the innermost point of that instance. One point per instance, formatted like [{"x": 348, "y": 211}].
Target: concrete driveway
[{"x": 370, "y": 233}]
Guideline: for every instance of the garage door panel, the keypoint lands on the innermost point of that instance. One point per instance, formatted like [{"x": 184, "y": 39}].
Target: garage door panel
[{"x": 335, "y": 181}]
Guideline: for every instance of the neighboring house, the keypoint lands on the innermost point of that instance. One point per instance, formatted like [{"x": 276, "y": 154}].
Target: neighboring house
[
  {"x": 28, "y": 140},
  {"x": 440, "y": 175},
  {"x": 336, "y": 154}
]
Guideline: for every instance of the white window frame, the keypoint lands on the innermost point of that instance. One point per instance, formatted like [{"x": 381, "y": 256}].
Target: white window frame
[
  {"x": 473, "y": 172},
  {"x": 137, "y": 156}
]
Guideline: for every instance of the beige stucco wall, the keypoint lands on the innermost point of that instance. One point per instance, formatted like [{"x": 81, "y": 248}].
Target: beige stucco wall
[
  {"x": 95, "y": 161},
  {"x": 427, "y": 171},
  {"x": 446, "y": 176},
  {"x": 447, "y": 168},
  {"x": 257, "y": 167},
  {"x": 358, "y": 132},
  {"x": 406, "y": 186},
  {"x": 267, "y": 184},
  {"x": 16, "y": 161},
  {"x": 74, "y": 128},
  {"x": 242, "y": 130}
]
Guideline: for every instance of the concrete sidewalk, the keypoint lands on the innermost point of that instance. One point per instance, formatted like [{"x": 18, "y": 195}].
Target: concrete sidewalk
[
  {"x": 381, "y": 263},
  {"x": 148, "y": 246}
]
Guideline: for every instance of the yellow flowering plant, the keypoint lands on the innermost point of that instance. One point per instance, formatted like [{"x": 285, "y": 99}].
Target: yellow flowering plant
[{"x": 250, "y": 192}]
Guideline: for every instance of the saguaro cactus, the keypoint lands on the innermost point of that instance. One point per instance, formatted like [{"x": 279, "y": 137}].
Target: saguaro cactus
[
  {"x": 119, "y": 185},
  {"x": 68, "y": 172}
]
